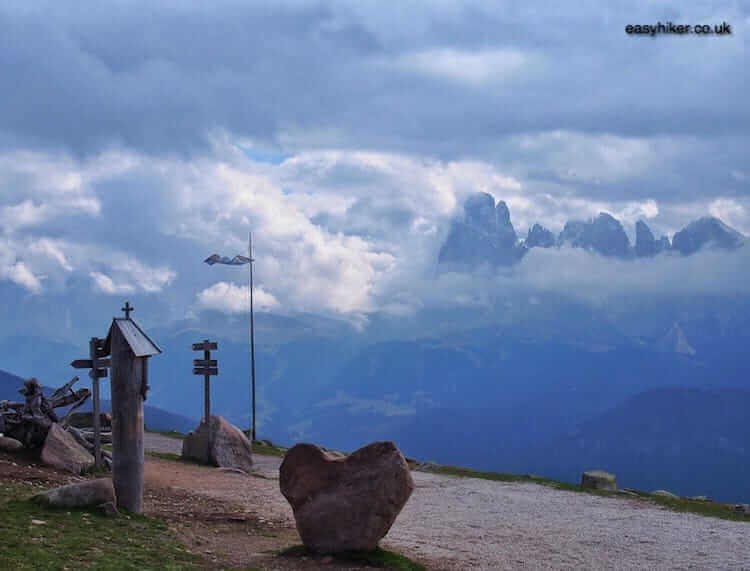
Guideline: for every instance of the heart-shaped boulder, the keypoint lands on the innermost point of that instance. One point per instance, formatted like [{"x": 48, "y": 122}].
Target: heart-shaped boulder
[{"x": 343, "y": 504}]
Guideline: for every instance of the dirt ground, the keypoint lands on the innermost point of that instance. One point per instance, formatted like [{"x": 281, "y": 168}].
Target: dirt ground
[
  {"x": 467, "y": 523},
  {"x": 238, "y": 520}
]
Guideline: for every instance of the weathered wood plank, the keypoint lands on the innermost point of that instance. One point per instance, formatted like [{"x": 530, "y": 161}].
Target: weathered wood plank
[
  {"x": 206, "y": 371},
  {"x": 127, "y": 423},
  {"x": 206, "y": 346}
]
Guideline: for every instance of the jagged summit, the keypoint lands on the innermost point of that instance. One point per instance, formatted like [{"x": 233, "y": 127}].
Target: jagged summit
[
  {"x": 539, "y": 237},
  {"x": 485, "y": 235},
  {"x": 706, "y": 232},
  {"x": 645, "y": 243},
  {"x": 603, "y": 234}
]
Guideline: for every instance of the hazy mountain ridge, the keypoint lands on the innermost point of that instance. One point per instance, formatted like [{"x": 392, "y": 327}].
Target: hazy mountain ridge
[{"x": 485, "y": 234}]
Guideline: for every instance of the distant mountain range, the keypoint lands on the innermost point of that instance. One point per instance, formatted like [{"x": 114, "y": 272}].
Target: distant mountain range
[{"x": 485, "y": 235}]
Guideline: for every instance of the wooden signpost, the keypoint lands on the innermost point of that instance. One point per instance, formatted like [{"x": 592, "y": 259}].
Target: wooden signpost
[
  {"x": 207, "y": 367},
  {"x": 98, "y": 370},
  {"x": 130, "y": 348}
]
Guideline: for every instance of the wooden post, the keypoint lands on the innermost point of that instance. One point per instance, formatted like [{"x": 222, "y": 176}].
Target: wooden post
[
  {"x": 127, "y": 382},
  {"x": 206, "y": 367},
  {"x": 206, "y": 389},
  {"x": 93, "y": 353},
  {"x": 252, "y": 331}
]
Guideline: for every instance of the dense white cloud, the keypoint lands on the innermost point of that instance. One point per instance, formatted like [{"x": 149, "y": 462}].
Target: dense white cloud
[
  {"x": 230, "y": 298},
  {"x": 137, "y": 139},
  {"x": 20, "y": 274},
  {"x": 338, "y": 232}
]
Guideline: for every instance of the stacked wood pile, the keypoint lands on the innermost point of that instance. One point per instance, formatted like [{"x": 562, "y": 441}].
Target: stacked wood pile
[{"x": 29, "y": 422}]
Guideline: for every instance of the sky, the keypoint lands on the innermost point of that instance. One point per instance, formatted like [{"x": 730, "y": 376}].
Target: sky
[{"x": 135, "y": 140}]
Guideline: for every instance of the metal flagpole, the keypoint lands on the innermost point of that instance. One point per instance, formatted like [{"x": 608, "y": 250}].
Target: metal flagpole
[{"x": 252, "y": 328}]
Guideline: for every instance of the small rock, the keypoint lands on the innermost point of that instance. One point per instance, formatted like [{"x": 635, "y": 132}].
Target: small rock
[
  {"x": 38, "y": 522},
  {"x": 598, "y": 480},
  {"x": 108, "y": 509},
  {"x": 78, "y": 495},
  {"x": 665, "y": 494},
  {"x": 742, "y": 509},
  {"x": 8, "y": 444}
]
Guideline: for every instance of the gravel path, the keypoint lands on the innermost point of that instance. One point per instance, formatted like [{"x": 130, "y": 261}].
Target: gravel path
[{"x": 466, "y": 523}]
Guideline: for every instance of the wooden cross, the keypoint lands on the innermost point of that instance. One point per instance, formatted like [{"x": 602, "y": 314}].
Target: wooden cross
[{"x": 127, "y": 309}]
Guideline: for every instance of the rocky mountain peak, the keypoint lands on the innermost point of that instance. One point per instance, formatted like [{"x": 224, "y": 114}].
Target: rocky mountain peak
[
  {"x": 603, "y": 234},
  {"x": 479, "y": 211},
  {"x": 486, "y": 235},
  {"x": 706, "y": 232},
  {"x": 539, "y": 237},
  {"x": 645, "y": 243}
]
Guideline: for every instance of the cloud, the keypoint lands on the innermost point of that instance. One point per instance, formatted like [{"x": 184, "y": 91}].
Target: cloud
[
  {"x": 230, "y": 298},
  {"x": 19, "y": 273},
  {"x": 457, "y": 79},
  {"x": 335, "y": 232},
  {"x": 104, "y": 284},
  {"x": 466, "y": 66}
]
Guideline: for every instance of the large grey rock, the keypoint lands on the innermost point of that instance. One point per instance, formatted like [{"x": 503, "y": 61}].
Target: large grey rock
[
  {"x": 599, "y": 480},
  {"x": 8, "y": 444},
  {"x": 343, "y": 504},
  {"x": 61, "y": 451},
  {"x": 79, "y": 495},
  {"x": 220, "y": 444}
]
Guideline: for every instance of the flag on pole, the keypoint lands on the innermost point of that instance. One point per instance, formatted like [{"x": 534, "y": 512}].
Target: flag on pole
[{"x": 236, "y": 261}]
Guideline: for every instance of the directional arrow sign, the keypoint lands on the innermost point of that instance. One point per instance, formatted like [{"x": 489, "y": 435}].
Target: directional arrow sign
[
  {"x": 205, "y": 363},
  {"x": 205, "y": 371},
  {"x": 210, "y": 346},
  {"x": 88, "y": 363}
]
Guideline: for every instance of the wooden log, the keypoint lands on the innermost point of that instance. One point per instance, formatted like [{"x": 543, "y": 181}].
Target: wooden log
[
  {"x": 80, "y": 438},
  {"x": 93, "y": 344},
  {"x": 63, "y": 391},
  {"x": 65, "y": 421},
  {"x": 127, "y": 382}
]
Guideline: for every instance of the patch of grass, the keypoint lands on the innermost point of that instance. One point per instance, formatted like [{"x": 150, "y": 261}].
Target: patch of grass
[
  {"x": 709, "y": 509},
  {"x": 266, "y": 448},
  {"x": 378, "y": 558},
  {"x": 499, "y": 476},
  {"x": 685, "y": 505},
  {"x": 169, "y": 433},
  {"x": 73, "y": 539}
]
